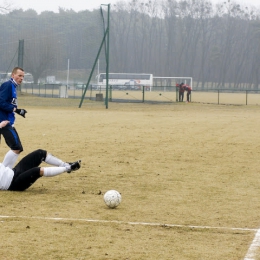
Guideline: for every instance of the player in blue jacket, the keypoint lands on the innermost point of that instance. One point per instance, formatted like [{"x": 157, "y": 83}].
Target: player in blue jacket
[{"x": 8, "y": 108}]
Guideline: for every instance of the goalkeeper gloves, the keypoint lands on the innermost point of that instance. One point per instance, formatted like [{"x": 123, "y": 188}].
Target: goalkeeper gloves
[{"x": 20, "y": 112}]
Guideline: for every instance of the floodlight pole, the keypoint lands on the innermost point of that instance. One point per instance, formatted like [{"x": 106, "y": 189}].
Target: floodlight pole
[
  {"x": 107, "y": 55},
  {"x": 97, "y": 60},
  {"x": 85, "y": 90},
  {"x": 20, "y": 53}
]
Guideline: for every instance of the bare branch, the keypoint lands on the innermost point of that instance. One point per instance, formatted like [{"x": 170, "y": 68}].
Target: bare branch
[{"x": 5, "y": 6}]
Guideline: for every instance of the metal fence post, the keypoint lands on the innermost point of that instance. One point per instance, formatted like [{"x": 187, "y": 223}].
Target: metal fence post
[{"x": 110, "y": 93}]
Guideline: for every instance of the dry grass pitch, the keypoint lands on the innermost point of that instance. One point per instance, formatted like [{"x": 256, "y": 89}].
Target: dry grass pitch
[{"x": 188, "y": 174}]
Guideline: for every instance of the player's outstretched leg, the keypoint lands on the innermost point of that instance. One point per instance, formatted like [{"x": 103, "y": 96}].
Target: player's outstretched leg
[
  {"x": 24, "y": 180},
  {"x": 71, "y": 166}
]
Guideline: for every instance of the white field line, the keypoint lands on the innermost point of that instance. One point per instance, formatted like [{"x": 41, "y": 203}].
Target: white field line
[
  {"x": 254, "y": 247},
  {"x": 136, "y": 223}
]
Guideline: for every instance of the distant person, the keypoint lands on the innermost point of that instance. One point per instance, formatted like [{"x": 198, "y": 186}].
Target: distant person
[
  {"x": 8, "y": 108},
  {"x": 181, "y": 91},
  {"x": 188, "y": 89},
  {"x": 27, "y": 171}
]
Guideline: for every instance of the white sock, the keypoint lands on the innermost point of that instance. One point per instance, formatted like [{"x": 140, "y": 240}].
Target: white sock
[
  {"x": 10, "y": 159},
  {"x": 52, "y": 160},
  {"x": 53, "y": 171}
]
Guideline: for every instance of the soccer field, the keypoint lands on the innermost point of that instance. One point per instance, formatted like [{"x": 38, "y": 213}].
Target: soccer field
[{"x": 188, "y": 174}]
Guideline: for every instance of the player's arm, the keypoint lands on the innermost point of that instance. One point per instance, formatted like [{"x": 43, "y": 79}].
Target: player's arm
[
  {"x": 5, "y": 95},
  {"x": 7, "y": 102}
]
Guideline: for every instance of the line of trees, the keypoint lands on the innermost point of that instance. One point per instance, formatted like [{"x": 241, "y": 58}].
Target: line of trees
[{"x": 217, "y": 45}]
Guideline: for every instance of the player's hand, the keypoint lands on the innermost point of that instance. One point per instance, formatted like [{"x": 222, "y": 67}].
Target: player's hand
[
  {"x": 20, "y": 112},
  {"x": 4, "y": 123}
]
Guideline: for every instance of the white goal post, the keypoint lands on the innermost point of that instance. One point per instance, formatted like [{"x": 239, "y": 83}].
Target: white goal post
[{"x": 171, "y": 81}]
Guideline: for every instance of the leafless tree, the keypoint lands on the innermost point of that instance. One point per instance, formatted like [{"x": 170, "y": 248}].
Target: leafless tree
[{"x": 5, "y": 7}]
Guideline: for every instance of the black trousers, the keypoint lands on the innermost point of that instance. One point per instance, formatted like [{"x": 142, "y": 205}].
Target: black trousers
[
  {"x": 11, "y": 137},
  {"x": 27, "y": 171},
  {"x": 188, "y": 96},
  {"x": 181, "y": 94}
]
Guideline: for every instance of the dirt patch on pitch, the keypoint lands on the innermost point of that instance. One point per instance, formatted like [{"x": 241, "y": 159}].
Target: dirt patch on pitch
[{"x": 179, "y": 164}]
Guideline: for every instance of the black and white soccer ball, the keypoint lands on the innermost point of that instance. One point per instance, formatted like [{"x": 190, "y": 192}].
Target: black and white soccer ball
[{"x": 112, "y": 198}]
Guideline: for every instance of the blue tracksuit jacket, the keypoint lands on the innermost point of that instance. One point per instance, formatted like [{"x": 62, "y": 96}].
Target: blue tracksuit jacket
[{"x": 8, "y": 100}]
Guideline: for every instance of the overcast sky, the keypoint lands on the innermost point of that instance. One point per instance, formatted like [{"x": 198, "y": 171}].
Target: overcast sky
[{"x": 77, "y": 5}]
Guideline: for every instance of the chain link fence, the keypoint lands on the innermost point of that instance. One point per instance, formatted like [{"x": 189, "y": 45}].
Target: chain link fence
[{"x": 156, "y": 94}]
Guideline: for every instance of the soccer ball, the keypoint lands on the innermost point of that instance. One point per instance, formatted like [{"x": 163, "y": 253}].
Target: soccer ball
[{"x": 112, "y": 198}]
